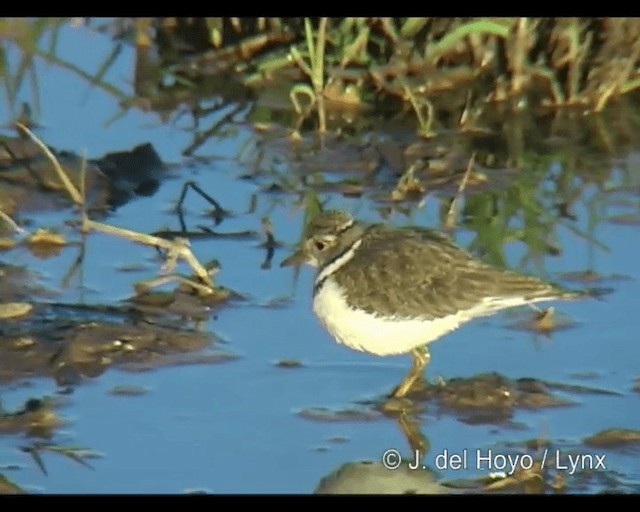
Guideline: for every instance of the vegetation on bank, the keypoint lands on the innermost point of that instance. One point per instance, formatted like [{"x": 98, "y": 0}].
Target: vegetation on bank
[
  {"x": 442, "y": 72},
  {"x": 439, "y": 70}
]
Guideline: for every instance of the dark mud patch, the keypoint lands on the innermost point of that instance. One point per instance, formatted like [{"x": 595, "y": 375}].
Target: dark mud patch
[
  {"x": 614, "y": 438},
  {"x": 70, "y": 350},
  {"x": 488, "y": 397},
  {"x": 180, "y": 302}
]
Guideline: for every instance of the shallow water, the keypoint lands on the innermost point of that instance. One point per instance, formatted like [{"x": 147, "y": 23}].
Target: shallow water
[{"x": 235, "y": 427}]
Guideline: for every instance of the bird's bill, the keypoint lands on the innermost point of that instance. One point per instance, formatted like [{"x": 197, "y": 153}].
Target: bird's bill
[{"x": 297, "y": 258}]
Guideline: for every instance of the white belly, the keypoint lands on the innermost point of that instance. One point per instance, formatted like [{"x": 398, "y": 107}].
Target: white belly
[
  {"x": 381, "y": 336},
  {"x": 385, "y": 336}
]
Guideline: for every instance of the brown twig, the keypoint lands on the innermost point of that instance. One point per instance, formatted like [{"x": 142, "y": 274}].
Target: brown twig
[
  {"x": 75, "y": 196},
  {"x": 450, "y": 219}
]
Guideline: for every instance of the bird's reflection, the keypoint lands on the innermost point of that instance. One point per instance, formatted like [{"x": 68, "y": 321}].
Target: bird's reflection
[
  {"x": 372, "y": 477},
  {"x": 405, "y": 413},
  {"x": 391, "y": 473}
]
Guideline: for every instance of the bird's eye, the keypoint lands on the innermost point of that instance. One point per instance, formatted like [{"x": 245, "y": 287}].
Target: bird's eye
[{"x": 320, "y": 245}]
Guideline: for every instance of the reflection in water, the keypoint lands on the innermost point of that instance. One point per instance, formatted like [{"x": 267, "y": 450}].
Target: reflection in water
[
  {"x": 532, "y": 466},
  {"x": 109, "y": 182},
  {"x": 372, "y": 477},
  {"x": 38, "y": 419},
  {"x": 407, "y": 418}
]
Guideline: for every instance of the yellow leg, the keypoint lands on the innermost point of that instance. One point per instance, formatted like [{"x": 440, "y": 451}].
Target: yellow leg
[{"x": 420, "y": 360}]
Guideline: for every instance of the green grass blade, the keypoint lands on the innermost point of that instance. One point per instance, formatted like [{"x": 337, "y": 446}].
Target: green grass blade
[{"x": 479, "y": 27}]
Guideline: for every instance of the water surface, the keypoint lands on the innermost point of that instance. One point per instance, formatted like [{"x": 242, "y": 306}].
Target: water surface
[{"x": 235, "y": 427}]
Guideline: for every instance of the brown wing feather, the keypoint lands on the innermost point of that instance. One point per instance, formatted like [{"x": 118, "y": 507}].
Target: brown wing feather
[{"x": 436, "y": 278}]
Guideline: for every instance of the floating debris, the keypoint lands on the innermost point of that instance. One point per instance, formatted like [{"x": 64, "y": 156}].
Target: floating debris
[
  {"x": 338, "y": 439},
  {"x": 484, "y": 398},
  {"x": 128, "y": 390},
  {"x": 289, "y": 363},
  {"x": 132, "y": 267}
]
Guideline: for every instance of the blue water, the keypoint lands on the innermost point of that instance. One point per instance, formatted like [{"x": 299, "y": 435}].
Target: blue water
[{"x": 234, "y": 427}]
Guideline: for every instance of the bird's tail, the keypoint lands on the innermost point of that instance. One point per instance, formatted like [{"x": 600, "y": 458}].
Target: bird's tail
[{"x": 535, "y": 289}]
